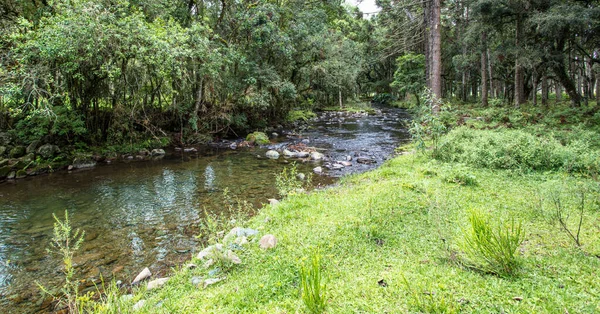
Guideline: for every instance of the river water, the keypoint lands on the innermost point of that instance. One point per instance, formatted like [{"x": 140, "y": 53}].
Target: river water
[{"x": 148, "y": 213}]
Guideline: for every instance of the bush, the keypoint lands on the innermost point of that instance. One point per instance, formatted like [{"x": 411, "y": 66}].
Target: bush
[
  {"x": 514, "y": 149},
  {"x": 492, "y": 248}
]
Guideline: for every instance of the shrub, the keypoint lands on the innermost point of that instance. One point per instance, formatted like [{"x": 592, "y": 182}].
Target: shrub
[
  {"x": 492, "y": 248},
  {"x": 313, "y": 289},
  {"x": 300, "y": 115},
  {"x": 514, "y": 149}
]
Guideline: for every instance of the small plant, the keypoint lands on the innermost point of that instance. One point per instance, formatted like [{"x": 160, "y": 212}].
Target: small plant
[
  {"x": 428, "y": 301},
  {"x": 492, "y": 248},
  {"x": 65, "y": 242},
  {"x": 426, "y": 125},
  {"x": 313, "y": 289},
  {"x": 562, "y": 214},
  {"x": 461, "y": 176},
  {"x": 287, "y": 182}
]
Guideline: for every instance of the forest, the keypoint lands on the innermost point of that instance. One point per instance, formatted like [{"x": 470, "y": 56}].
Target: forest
[{"x": 157, "y": 73}]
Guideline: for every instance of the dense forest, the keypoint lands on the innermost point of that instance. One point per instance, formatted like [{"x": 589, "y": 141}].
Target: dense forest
[{"x": 91, "y": 73}]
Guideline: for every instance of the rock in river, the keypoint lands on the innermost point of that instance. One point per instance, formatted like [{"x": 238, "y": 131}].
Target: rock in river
[
  {"x": 317, "y": 156},
  {"x": 318, "y": 170},
  {"x": 143, "y": 275},
  {"x": 288, "y": 153},
  {"x": 273, "y": 154},
  {"x": 157, "y": 152}
]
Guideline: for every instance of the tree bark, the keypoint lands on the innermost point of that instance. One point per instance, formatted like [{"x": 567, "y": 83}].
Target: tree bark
[
  {"x": 436, "y": 54},
  {"x": 484, "y": 65},
  {"x": 535, "y": 88},
  {"x": 558, "y": 91},
  {"x": 492, "y": 93},
  {"x": 544, "y": 90},
  {"x": 519, "y": 92}
]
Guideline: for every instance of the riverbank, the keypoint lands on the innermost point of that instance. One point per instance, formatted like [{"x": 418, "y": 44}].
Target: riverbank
[{"x": 389, "y": 241}]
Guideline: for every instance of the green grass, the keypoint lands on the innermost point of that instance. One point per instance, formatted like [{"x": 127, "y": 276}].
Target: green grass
[{"x": 389, "y": 243}]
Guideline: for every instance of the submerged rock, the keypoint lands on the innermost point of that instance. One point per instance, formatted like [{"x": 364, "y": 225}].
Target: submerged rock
[
  {"x": 268, "y": 241},
  {"x": 141, "y": 276},
  {"x": 365, "y": 160},
  {"x": 273, "y": 154}
]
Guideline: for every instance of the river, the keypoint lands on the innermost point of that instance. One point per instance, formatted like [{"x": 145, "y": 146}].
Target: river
[{"x": 148, "y": 213}]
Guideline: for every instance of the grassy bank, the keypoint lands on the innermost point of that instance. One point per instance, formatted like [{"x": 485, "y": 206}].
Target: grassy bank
[
  {"x": 389, "y": 243},
  {"x": 395, "y": 240}
]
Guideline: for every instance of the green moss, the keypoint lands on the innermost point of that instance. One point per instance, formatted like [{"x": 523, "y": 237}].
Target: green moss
[{"x": 259, "y": 138}]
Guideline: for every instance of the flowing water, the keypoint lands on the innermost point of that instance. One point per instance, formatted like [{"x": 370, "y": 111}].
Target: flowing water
[{"x": 147, "y": 214}]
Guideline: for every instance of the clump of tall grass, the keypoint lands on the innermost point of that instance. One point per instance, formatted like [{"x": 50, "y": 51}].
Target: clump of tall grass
[
  {"x": 287, "y": 182},
  {"x": 492, "y": 248},
  {"x": 313, "y": 289}
]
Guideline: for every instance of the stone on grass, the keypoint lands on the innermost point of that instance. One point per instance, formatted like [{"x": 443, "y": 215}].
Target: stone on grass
[
  {"x": 233, "y": 258},
  {"x": 240, "y": 241},
  {"x": 209, "y": 250},
  {"x": 157, "y": 283},
  {"x": 301, "y": 176},
  {"x": 273, "y": 201},
  {"x": 141, "y": 276},
  {"x": 212, "y": 281},
  {"x": 139, "y": 305},
  {"x": 196, "y": 281},
  {"x": 268, "y": 241}
]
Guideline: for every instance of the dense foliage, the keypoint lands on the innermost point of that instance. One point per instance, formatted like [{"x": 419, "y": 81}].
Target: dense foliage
[{"x": 126, "y": 71}]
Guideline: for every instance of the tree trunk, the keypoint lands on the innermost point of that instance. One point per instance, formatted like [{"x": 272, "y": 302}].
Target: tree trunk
[
  {"x": 436, "y": 54},
  {"x": 484, "y": 65},
  {"x": 492, "y": 84},
  {"x": 340, "y": 97},
  {"x": 567, "y": 83},
  {"x": 535, "y": 88},
  {"x": 519, "y": 92},
  {"x": 544, "y": 90},
  {"x": 597, "y": 90},
  {"x": 558, "y": 91}
]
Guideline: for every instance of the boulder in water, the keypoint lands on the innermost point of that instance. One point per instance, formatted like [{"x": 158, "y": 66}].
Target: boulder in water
[
  {"x": 273, "y": 154},
  {"x": 318, "y": 170},
  {"x": 317, "y": 156},
  {"x": 157, "y": 152},
  {"x": 288, "y": 153}
]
